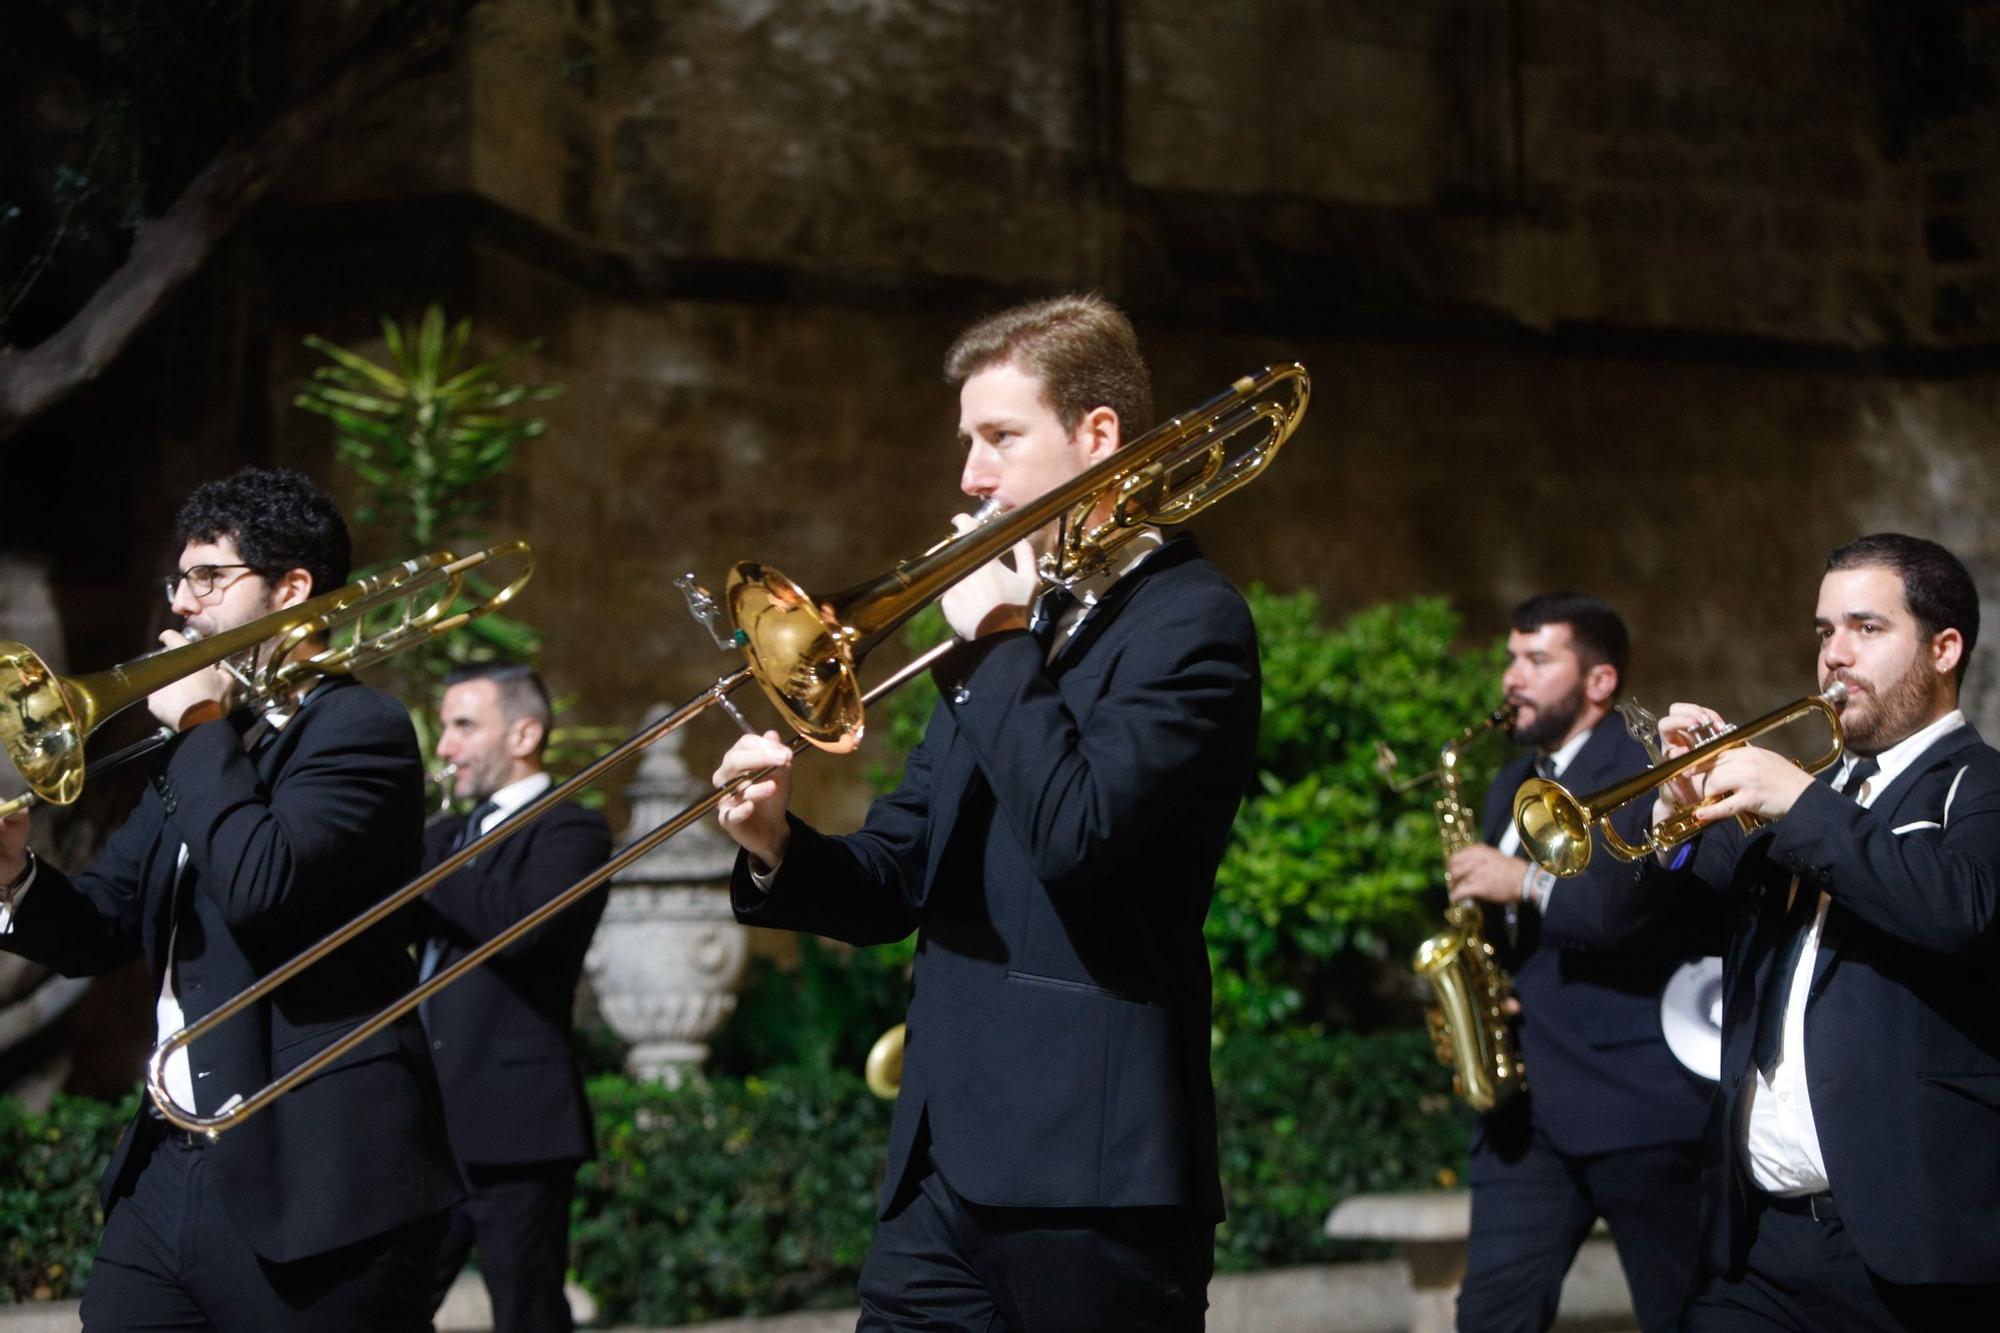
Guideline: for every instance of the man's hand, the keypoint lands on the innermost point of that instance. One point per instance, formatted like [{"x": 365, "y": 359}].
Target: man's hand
[
  {"x": 193, "y": 699},
  {"x": 1684, "y": 727},
  {"x": 1482, "y": 872},
  {"x": 995, "y": 596},
  {"x": 755, "y": 816},
  {"x": 13, "y": 846},
  {"x": 1749, "y": 781}
]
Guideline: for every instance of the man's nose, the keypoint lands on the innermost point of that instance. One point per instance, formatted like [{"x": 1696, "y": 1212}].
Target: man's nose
[{"x": 979, "y": 478}]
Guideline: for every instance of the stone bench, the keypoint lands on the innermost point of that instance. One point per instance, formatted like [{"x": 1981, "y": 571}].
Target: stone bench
[{"x": 1428, "y": 1229}]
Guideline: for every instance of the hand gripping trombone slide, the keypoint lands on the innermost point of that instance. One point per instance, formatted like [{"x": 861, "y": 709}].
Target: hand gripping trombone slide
[{"x": 804, "y": 652}]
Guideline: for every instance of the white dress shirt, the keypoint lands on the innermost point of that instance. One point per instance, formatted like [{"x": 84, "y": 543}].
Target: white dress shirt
[{"x": 1780, "y": 1140}]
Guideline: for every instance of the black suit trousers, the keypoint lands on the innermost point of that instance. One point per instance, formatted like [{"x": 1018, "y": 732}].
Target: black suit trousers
[
  {"x": 939, "y": 1262},
  {"x": 1533, "y": 1207},
  {"x": 517, "y": 1217},
  {"x": 1804, "y": 1275},
  {"x": 171, "y": 1258}
]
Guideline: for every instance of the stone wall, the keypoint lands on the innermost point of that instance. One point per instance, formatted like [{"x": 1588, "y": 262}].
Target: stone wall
[{"x": 1659, "y": 297}]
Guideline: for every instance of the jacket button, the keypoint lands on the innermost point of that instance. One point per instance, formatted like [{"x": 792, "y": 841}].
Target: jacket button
[
  {"x": 961, "y": 695},
  {"x": 438, "y": 1045}
]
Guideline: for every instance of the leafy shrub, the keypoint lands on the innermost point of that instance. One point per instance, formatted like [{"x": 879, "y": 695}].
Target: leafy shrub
[
  {"x": 728, "y": 1196},
  {"x": 49, "y": 1221},
  {"x": 1306, "y": 1121},
  {"x": 742, "y": 1196},
  {"x": 1330, "y": 877}
]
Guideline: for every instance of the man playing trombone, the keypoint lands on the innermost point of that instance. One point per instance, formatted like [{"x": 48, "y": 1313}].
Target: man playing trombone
[
  {"x": 1054, "y": 841},
  {"x": 256, "y": 836},
  {"x": 1857, "y": 1132}
]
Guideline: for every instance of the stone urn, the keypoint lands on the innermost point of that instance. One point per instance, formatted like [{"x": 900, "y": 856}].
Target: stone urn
[{"x": 668, "y": 956}]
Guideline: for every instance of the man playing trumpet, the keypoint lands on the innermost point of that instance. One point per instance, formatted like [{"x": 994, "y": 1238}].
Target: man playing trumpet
[
  {"x": 253, "y": 840},
  {"x": 1857, "y": 1132}
]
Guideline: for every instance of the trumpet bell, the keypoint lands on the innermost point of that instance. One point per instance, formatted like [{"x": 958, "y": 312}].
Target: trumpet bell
[
  {"x": 802, "y": 657},
  {"x": 1554, "y": 828},
  {"x": 43, "y": 725}
]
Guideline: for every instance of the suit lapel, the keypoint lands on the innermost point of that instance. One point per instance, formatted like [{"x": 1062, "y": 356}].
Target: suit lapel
[{"x": 1943, "y": 754}]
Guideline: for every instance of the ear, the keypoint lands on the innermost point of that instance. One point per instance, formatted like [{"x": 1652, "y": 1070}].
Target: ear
[
  {"x": 1600, "y": 684},
  {"x": 1099, "y": 434},
  {"x": 290, "y": 588},
  {"x": 1947, "y": 651},
  {"x": 524, "y": 737}
]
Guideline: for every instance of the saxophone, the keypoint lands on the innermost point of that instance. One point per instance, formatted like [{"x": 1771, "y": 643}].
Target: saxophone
[{"x": 1469, "y": 1022}]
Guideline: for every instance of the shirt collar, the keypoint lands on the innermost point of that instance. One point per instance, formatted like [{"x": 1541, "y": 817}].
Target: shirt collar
[
  {"x": 1904, "y": 752},
  {"x": 1143, "y": 543},
  {"x": 1561, "y": 759},
  {"x": 517, "y": 794}
]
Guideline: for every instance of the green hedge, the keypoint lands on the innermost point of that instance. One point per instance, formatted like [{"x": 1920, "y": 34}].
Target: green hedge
[
  {"x": 48, "y": 1193},
  {"x": 754, "y": 1196},
  {"x": 751, "y": 1196}
]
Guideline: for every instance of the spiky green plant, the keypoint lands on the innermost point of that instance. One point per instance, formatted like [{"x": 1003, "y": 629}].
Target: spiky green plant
[{"x": 428, "y": 435}]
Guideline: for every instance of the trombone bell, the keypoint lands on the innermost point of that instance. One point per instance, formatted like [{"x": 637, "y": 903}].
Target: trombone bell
[{"x": 42, "y": 726}]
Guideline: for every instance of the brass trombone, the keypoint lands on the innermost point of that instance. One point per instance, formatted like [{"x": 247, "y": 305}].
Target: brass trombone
[
  {"x": 45, "y": 719},
  {"x": 805, "y": 651},
  {"x": 1555, "y": 826}
]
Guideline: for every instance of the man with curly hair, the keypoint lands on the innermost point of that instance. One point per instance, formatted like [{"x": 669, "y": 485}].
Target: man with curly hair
[{"x": 258, "y": 835}]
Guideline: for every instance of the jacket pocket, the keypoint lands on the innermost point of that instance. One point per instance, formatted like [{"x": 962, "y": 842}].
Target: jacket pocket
[
  {"x": 1078, "y": 988},
  {"x": 1983, "y": 1088}
]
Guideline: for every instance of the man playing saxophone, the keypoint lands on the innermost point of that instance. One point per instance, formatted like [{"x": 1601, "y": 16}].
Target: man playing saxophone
[{"x": 1610, "y": 1125}]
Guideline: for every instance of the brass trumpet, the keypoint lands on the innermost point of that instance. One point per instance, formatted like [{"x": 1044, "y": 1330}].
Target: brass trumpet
[
  {"x": 45, "y": 719},
  {"x": 805, "y": 651},
  {"x": 1555, "y": 826}
]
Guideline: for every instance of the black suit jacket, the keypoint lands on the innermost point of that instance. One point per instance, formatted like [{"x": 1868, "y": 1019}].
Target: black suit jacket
[
  {"x": 501, "y": 1037},
  {"x": 282, "y": 847},
  {"x": 1600, "y": 1076},
  {"x": 1055, "y": 840},
  {"x": 1902, "y": 1029}
]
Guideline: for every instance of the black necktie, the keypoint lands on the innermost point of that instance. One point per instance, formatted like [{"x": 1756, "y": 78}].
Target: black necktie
[
  {"x": 472, "y": 823},
  {"x": 1050, "y": 608},
  {"x": 1769, "y": 1040}
]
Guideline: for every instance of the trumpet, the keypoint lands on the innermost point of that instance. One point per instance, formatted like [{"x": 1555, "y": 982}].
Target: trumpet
[
  {"x": 45, "y": 719},
  {"x": 805, "y": 653},
  {"x": 1555, "y": 825}
]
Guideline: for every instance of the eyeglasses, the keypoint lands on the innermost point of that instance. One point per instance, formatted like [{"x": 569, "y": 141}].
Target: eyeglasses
[{"x": 202, "y": 580}]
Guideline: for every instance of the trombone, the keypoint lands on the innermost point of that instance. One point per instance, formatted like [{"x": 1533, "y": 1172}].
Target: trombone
[
  {"x": 805, "y": 651},
  {"x": 1555, "y": 825},
  {"x": 45, "y": 719}
]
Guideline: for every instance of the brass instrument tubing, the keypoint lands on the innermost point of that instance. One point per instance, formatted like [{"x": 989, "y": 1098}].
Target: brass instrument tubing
[{"x": 212, "y": 1125}]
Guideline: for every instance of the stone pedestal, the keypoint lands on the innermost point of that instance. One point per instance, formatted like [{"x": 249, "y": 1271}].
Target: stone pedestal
[{"x": 668, "y": 956}]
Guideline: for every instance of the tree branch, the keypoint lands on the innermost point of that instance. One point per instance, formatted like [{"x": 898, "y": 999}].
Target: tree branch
[{"x": 173, "y": 247}]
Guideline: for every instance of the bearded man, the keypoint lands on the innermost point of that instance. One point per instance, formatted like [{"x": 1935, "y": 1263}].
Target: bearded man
[
  {"x": 1610, "y": 1125},
  {"x": 1856, "y": 1141}
]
